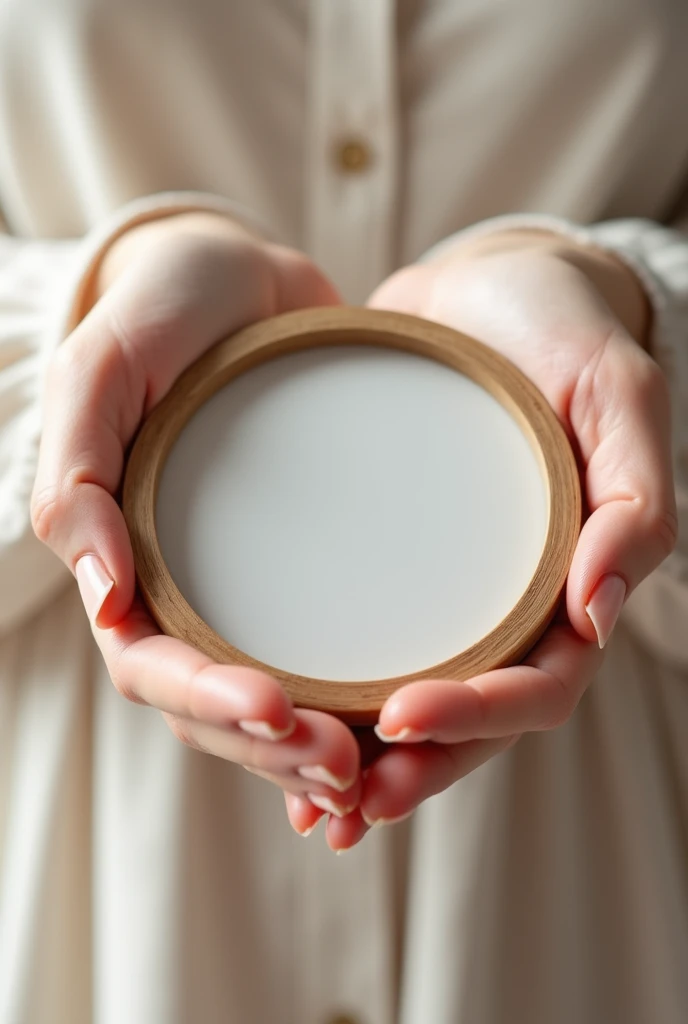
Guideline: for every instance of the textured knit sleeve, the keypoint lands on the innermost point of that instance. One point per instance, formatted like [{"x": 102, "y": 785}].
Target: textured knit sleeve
[
  {"x": 41, "y": 286},
  {"x": 657, "y": 611}
]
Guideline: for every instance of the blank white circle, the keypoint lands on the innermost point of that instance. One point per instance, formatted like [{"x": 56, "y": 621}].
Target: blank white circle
[{"x": 352, "y": 513}]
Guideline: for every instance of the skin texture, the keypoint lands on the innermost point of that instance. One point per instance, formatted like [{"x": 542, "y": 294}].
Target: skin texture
[
  {"x": 575, "y": 321},
  {"x": 572, "y": 319}
]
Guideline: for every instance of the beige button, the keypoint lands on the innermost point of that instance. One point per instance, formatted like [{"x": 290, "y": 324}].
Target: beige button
[{"x": 353, "y": 156}]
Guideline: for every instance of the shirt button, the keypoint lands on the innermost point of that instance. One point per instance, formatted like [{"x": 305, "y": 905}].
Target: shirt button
[
  {"x": 353, "y": 156},
  {"x": 343, "y": 1019}
]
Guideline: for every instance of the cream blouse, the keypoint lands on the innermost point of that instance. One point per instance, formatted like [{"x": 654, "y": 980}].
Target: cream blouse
[{"x": 145, "y": 883}]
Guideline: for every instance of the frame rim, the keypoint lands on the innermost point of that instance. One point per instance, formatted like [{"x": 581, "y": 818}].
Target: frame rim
[{"x": 359, "y": 701}]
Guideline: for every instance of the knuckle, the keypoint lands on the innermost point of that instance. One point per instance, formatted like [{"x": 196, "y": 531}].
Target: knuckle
[
  {"x": 48, "y": 509},
  {"x": 195, "y": 700},
  {"x": 180, "y": 729},
  {"x": 564, "y": 703},
  {"x": 53, "y": 505},
  {"x": 664, "y": 527},
  {"x": 125, "y": 689},
  {"x": 68, "y": 362},
  {"x": 122, "y": 679}
]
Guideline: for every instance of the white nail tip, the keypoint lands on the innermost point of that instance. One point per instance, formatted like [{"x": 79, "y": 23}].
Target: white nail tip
[
  {"x": 379, "y": 822},
  {"x": 319, "y": 773},
  {"x": 264, "y": 731},
  {"x": 324, "y": 803},
  {"x": 605, "y": 605},
  {"x": 407, "y": 733},
  {"x": 94, "y": 584}
]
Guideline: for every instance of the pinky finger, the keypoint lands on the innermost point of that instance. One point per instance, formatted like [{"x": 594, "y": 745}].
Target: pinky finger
[
  {"x": 302, "y": 815},
  {"x": 344, "y": 833}
]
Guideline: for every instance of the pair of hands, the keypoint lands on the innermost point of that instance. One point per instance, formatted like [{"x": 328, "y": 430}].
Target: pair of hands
[{"x": 567, "y": 316}]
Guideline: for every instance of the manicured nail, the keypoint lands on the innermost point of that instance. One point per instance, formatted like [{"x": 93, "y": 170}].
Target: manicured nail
[
  {"x": 605, "y": 605},
  {"x": 324, "y": 803},
  {"x": 319, "y": 773},
  {"x": 265, "y": 731},
  {"x": 405, "y": 735},
  {"x": 94, "y": 584},
  {"x": 345, "y": 850},
  {"x": 378, "y": 822},
  {"x": 307, "y": 831}
]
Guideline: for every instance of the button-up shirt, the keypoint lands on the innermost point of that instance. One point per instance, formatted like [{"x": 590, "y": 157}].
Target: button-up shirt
[{"x": 141, "y": 882}]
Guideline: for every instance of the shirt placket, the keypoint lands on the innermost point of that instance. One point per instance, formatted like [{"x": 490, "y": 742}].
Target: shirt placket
[{"x": 351, "y": 179}]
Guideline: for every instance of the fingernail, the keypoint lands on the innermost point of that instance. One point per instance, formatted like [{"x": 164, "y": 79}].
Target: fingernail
[
  {"x": 319, "y": 773},
  {"x": 345, "y": 850},
  {"x": 605, "y": 605},
  {"x": 307, "y": 831},
  {"x": 265, "y": 731},
  {"x": 405, "y": 735},
  {"x": 378, "y": 822},
  {"x": 324, "y": 803},
  {"x": 94, "y": 584}
]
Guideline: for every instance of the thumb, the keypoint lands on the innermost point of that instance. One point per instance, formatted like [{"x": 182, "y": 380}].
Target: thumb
[
  {"x": 620, "y": 414},
  {"x": 154, "y": 321}
]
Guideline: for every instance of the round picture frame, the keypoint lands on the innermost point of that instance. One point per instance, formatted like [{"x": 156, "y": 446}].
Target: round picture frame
[{"x": 356, "y": 702}]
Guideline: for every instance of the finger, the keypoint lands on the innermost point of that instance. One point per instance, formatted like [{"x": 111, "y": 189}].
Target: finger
[
  {"x": 620, "y": 413},
  {"x": 165, "y": 673},
  {"x": 407, "y": 290},
  {"x": 302, "y": 815},
  {"x": 290, "y": 784},
  {"x": 539, "y": 694},
  {"x": 299, "y": 283},
  {"x": 156, "y": 319},
  {"x": 342, "y": 834},
  {"x": 235, "y": 712},
  {"x": 318, "y": 740},
  {"x": 405, "y": 776}
]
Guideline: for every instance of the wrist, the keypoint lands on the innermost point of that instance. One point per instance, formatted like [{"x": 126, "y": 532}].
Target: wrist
[
  {"x": 616, "y": 283},
  {"x": 127, "y": 246}
]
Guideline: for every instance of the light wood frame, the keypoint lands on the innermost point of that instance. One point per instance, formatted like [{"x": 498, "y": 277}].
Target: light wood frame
[{"x": 356, "y": 702}]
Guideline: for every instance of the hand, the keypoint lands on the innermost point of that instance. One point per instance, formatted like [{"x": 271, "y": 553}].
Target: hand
[
  {"x": 571, "y": 319},
  {"x": 166, "y": 292}
]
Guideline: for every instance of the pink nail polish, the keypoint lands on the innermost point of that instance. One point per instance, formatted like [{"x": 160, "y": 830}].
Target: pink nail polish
[
  {"x": 405, "y": 735},
  {"x": 319, "y": 773},
  {"x": 94, "y": 584},
  {"x": 265, "y": 731},
  {"x": 324, "y": 803},
  {"x": 392, "y": 821},
  {"x": 378, "y": 822},
  {"x": 605, "y": 604},
  {"x": 307, "y": 831}
]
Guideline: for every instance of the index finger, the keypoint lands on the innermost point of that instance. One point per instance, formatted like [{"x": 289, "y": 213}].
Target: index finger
[
  {"x": 541, "y": 693},
  {"x": 165, "y": 673}
]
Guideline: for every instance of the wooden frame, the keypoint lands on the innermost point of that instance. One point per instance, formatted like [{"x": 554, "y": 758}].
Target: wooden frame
[{"x": 356, "y": 702}]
